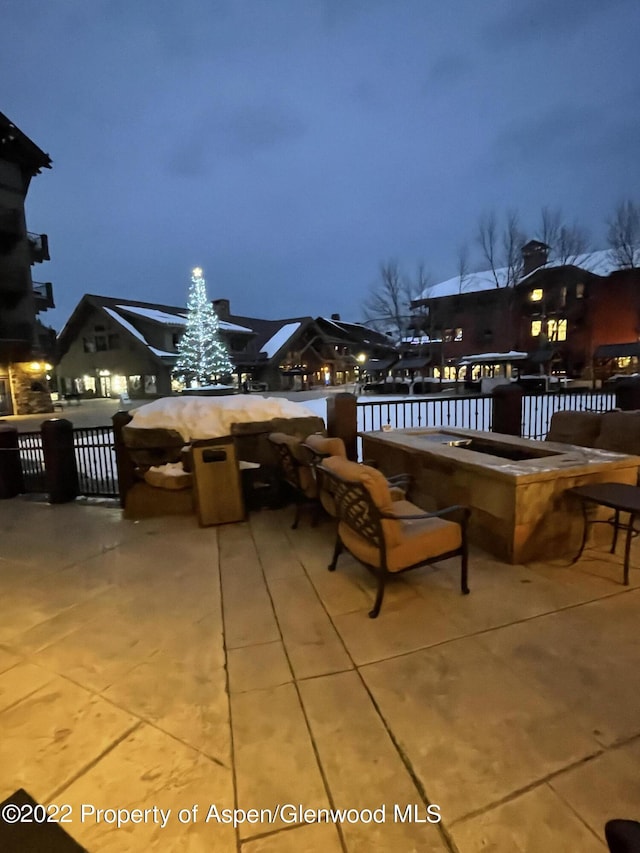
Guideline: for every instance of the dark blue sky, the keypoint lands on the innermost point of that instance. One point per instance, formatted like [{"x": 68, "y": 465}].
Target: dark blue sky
[{"x": 290, "y": 147}]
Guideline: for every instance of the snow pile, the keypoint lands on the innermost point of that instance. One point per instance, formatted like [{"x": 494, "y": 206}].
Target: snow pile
[{"x": 211, "y": 417}]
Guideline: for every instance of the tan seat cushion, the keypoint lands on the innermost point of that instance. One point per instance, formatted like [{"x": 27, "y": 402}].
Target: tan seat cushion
[
  {"x": 169, "y": 477},
  {"x": 327, "y": 446},
  {"x": 580, "y": 428},
  {"x": 417, "y": 541}
]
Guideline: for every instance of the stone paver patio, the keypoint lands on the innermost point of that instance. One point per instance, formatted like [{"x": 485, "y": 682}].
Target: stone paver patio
[{"x": 155, "y": 664}]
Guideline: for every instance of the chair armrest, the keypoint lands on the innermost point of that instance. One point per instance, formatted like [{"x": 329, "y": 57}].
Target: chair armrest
[{"x": 464, "y": 511}]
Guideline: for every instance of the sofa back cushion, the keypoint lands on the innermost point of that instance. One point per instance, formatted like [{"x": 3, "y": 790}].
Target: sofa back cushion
[
  {"x": 620, "y": 433},
  {"x": 582, "y": 428}
]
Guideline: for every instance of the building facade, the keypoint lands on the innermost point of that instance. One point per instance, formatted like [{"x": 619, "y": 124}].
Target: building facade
[
  {"x": 112, "y": 346},
  {"x": 555, "y": 321},
  {"x": 24, "y": 342}
]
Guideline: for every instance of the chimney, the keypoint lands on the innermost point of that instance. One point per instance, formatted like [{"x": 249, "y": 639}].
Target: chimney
[
  {"x": 534, "y": 255},
  {"x": 335, "y": 317},
  {"x": 222, "y": 308}
]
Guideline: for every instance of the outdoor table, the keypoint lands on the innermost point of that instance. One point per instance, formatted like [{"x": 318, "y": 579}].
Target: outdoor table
[{"x": 619, "y": 497}]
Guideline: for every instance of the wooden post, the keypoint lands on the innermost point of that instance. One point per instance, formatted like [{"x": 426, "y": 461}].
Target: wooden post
[
  {"x": 342, "y": 421},
  {"x": 61, "y": 472},
  {"x": 507, "y": 409},
  {"x": 11, "y": 479},
  {"x": 124, "y": 462}
]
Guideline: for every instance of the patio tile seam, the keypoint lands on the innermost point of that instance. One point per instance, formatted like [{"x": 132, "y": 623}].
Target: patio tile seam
[
  {"x": 303, "y": 710},
  {"x": 155, "y": 724},
  {"x": 450, "y": 845},
  {"x": 443, "y": 829},
  {"x": 575, "y": 812},
  {"x": 226, "y": 650},
  {"x": 91, "y": 764},
  {"x": 482, "y": 631},
  {"x": 22, "y": 698},
  {"x": 525, "y": 789}
]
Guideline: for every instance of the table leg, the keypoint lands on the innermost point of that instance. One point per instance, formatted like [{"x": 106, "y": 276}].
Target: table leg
[{"x": 627, "y": 549}]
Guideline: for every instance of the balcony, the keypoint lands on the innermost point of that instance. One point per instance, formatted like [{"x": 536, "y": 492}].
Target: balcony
[
  {"x": 43, "y": 295},
  {"x": 38, "y": 247}
]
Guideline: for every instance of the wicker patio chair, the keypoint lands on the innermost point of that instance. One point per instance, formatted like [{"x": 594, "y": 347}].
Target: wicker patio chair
[
  {"x": 295, "y": 470},
  {"x": 385, "y": 535},
  {"x": 321, "y": 447}
]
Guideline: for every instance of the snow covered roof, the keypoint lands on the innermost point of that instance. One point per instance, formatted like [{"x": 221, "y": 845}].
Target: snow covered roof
[
  {"x": 132, "y": 329},
  {"x": 599, "y": 263},
  {"x": 494, "y": 357},
  {"x": 211, "y": 417},
  {"x": 175, "y": 319},
  {"x": 277, "y": 341},
  {"x": 154, "y": 314}
]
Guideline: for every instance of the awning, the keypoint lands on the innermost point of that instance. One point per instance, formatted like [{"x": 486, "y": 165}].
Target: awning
[
  {"x": 493, "y": 358},
  {"x": 379, "y": 364},
  {"x": 617, "y": 350},
  {"x": 412, "y": 363}
]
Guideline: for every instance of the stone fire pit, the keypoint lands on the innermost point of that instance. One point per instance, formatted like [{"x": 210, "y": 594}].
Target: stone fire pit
[{"x": 516, "y": 488}]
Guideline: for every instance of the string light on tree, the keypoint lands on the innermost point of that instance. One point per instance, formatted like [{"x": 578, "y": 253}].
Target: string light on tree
[{"x": 202, "y": 356}]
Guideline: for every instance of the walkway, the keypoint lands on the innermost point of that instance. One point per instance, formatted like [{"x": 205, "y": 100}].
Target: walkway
[{"x": 156, "y": 664}]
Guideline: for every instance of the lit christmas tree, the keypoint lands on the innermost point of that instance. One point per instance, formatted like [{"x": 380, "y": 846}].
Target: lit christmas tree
[{"x": 202, "y": 356}]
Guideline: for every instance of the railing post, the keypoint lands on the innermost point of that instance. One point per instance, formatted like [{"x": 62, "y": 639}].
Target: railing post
[
  {"x": 342, "y": 421},
  {"x": 124, "y": 462},
  {"x": 627, "y": 393},
  {"x": 507, "y": 409},
  {"x": 61, "y": 471},
  {"x": 11, "y": 479}
]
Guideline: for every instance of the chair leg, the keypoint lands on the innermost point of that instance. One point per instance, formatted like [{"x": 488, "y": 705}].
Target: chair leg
[
  {"x": 616, "y": 527},
  {"x": 336, "y": 553},
  {"x": 382, "y": 579},
  {"x": 464, "y": 569},
  {"x": 296, "y": 519}
]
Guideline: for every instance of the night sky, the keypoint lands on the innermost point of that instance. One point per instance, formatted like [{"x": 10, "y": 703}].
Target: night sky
[{"x": 290, "y": 147}]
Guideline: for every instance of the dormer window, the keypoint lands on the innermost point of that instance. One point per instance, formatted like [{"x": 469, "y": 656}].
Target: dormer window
[
  {"x": 536, "y": 294},
  {"x": 579, "y": 290}
]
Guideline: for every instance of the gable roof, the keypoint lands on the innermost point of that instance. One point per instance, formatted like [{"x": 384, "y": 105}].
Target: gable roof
[{"x": 16, "y": 147}]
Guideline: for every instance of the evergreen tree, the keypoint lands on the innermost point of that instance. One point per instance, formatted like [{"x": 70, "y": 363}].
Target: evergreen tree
[{"x": 202, "y": 356}]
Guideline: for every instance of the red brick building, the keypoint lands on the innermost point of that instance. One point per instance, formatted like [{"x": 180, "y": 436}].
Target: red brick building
[{"x": 558, "y": 317}]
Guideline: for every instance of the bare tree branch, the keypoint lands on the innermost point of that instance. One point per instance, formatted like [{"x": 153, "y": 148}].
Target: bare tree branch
[
  {"x": 565, "y": 242},
  {"x": 502, "y": 249},
  {"x": 387, "y": 307},
  {"x": 624, "y": 235}
]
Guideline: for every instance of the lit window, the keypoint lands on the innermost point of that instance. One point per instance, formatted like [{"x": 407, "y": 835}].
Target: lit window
[
  {"x": 536, "y": 328},
  {"x": 557, "y": 330},
  {"x": 623, "y": 361},
  {"x": 457, "y": 335},
  {"x": 536, "y": 294},
  {"x": 579, "y": 290}
]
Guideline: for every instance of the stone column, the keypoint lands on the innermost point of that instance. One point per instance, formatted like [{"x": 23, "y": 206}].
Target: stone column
[
  {"x": 11, "y": 479},
  {"x": 124, "y": 462},
  {"x": 507, "y": 409},
  {"x": 61, "y": 471},
  {"x": 342, "y": 421}
]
